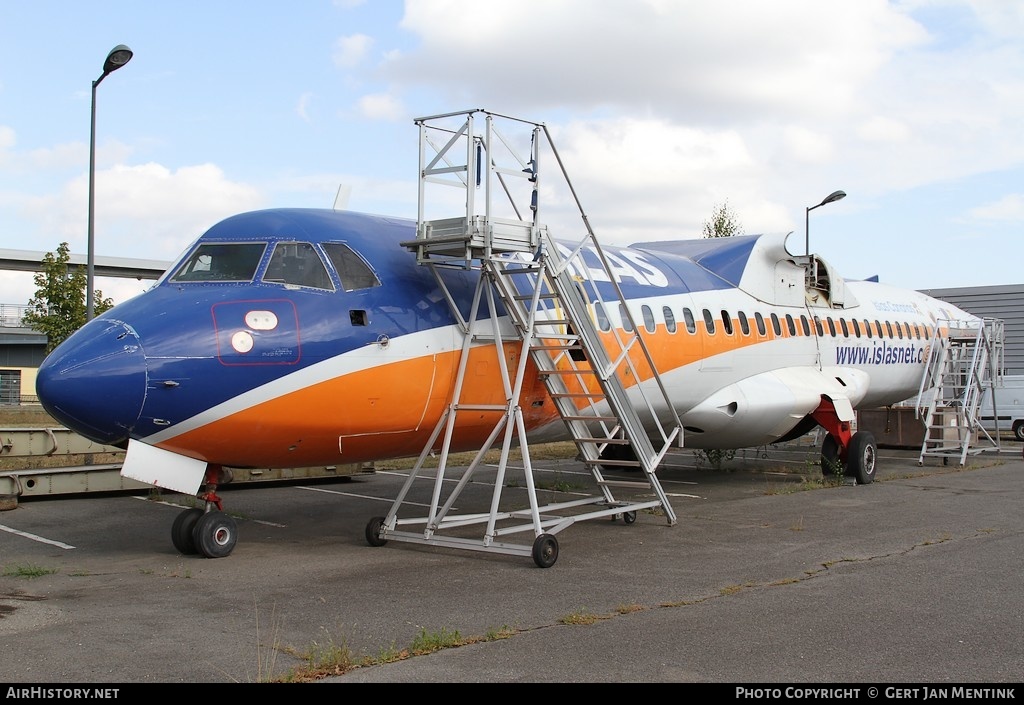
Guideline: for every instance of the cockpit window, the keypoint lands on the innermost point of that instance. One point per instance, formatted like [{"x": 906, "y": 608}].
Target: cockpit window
[
  {"x": 221, "y": 262},
  {"x": 297, "y": 264},
  {"x": 352, "y": 269}
]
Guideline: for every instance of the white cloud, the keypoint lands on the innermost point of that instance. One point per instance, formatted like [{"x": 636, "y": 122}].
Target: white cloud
[
  {"x": 381, "y": 106},
  {"x": 808, "y": 146},
  {"x": 302, "y": 108},
  {"x": 699, "y": 60},
  {"x": 832, "y": 92},
  {"x": 350, "y": 51},
  {"x": 883, "y": 129},
  {"x": 144, "y": 211},
  {"x": 1007, "y": 208}
]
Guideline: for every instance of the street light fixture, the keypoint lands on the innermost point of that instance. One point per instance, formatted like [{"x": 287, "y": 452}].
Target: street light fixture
[
  {"x": 834, "y": 196},
  {"x": 118, "y": 57}
]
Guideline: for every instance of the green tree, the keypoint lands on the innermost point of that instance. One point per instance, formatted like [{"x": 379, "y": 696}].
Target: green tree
[
  {"x": 723, "y": 223},
  {"x": 58, "y": 307}
]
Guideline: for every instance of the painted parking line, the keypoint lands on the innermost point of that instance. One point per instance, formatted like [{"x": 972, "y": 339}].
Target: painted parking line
[{"x": 33, "y": 537}]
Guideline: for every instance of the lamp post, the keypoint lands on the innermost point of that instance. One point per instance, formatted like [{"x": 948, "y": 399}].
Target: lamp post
[
  {"x": 834, "y": 196},
  {"x": 118, "y": 57}
]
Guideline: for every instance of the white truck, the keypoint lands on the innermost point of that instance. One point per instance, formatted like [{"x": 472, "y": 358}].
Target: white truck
[{"x": 1008, "y": 413}]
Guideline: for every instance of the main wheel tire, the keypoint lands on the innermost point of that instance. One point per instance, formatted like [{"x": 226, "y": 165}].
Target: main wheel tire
[
  {"x": 830, "y": 464},
  {"x": 182, "y": 531},
  {"x": 215, "y": 534},
  {"x": 1018, "y": 430},
  {"x": 545, "y": 550},
  {"x": 861, "y": 457},
  {"x": 373, "y": 532}
]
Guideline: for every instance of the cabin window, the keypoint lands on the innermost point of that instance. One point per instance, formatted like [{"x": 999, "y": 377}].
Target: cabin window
[
  {"x": 602, "y": 318},
  {"x": 221, "y": 262},
  {"x": 297, "y": 264},
  {"x": 353, "y": 271},
  {"x": 906, "y": 327},
  {"x": 831, "y": 327},
  {"x": 759, "y": 320},
  {"x": 691, "y": 324},
  {"x": 709, "y": 322},
  {"x": 878, "y": 329},
  {"x": 888, "y": 327},
  {"x": 846, "y": 328},
  {"x": 818, "y": 327},
  {"x": 744, "y": 323},
  {"x": 867, "y": 328},
  {"x": 776, "y": 326},
  {"x": 790, "y": 324},
  {"x": 726, "y": 322},
  {"x": 627, "y": 322},
  {"x": 856, "y": 327},
  {"x": 899, "y": 331},
  {"x": 649, "y": 325},
  {"x": 670, "y": 319}
]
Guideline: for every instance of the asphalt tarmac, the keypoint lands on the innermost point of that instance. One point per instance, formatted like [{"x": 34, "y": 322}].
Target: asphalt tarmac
[{"x": 915, "y": 578}]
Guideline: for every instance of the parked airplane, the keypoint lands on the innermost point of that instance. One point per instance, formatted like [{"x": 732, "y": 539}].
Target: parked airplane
[{"x": 306, "y": 337}]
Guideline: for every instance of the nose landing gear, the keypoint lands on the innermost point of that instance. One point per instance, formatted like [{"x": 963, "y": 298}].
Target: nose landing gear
[{"x": 206, "y": 530}]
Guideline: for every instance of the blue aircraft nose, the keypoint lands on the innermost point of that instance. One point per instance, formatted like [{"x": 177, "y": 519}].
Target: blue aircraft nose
[{"x": 95, "y": 381}]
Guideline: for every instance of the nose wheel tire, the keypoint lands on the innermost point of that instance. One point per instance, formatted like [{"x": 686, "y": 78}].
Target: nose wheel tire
[
  {"x": 182, "y": 530},
  {"x": 215, "y": 534}
]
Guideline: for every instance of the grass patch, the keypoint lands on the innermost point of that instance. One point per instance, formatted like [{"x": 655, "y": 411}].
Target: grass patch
[
  {"x": 629, "y": 609},
  {"x": 504, "y": 632},
  {"x": 27, "y": 571},
  {"x": 580, "y": 617},
  {"x": 806, "y": 483}
]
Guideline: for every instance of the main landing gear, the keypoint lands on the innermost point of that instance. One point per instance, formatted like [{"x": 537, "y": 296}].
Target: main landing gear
[
  {"x": 853, "y": 454},
  {"x": 206, "y": 530}
]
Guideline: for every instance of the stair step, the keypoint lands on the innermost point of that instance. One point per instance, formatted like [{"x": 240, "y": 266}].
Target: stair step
[{"x": 638, "y": 484}]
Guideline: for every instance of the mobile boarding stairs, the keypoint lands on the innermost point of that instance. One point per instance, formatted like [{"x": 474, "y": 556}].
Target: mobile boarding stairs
[
  {"x": 965, "y": 359},
  {"x": 544, "y": 313}
]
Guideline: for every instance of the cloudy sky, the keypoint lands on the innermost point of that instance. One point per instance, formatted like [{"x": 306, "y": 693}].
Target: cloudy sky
[{"x": 662, "y": 111}]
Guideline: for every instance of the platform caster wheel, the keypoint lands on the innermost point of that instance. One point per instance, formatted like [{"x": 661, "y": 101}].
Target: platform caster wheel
[
  {"x": 629, "y": 517},
  {"x": 215, "y": 534},
  {"x": 373, "y": 532},
  {"x": 545, "y": 550},
  {"x": 182, "y": 529}
]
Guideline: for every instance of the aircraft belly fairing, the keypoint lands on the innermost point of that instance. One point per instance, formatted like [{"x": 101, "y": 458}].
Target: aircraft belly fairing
[{"x": 763, "y": 408}]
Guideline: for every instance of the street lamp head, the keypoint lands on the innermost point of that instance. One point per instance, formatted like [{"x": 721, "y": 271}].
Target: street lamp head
[
  {"x": 834, "y": 196},
  {"x": 118, "y": 57}
]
